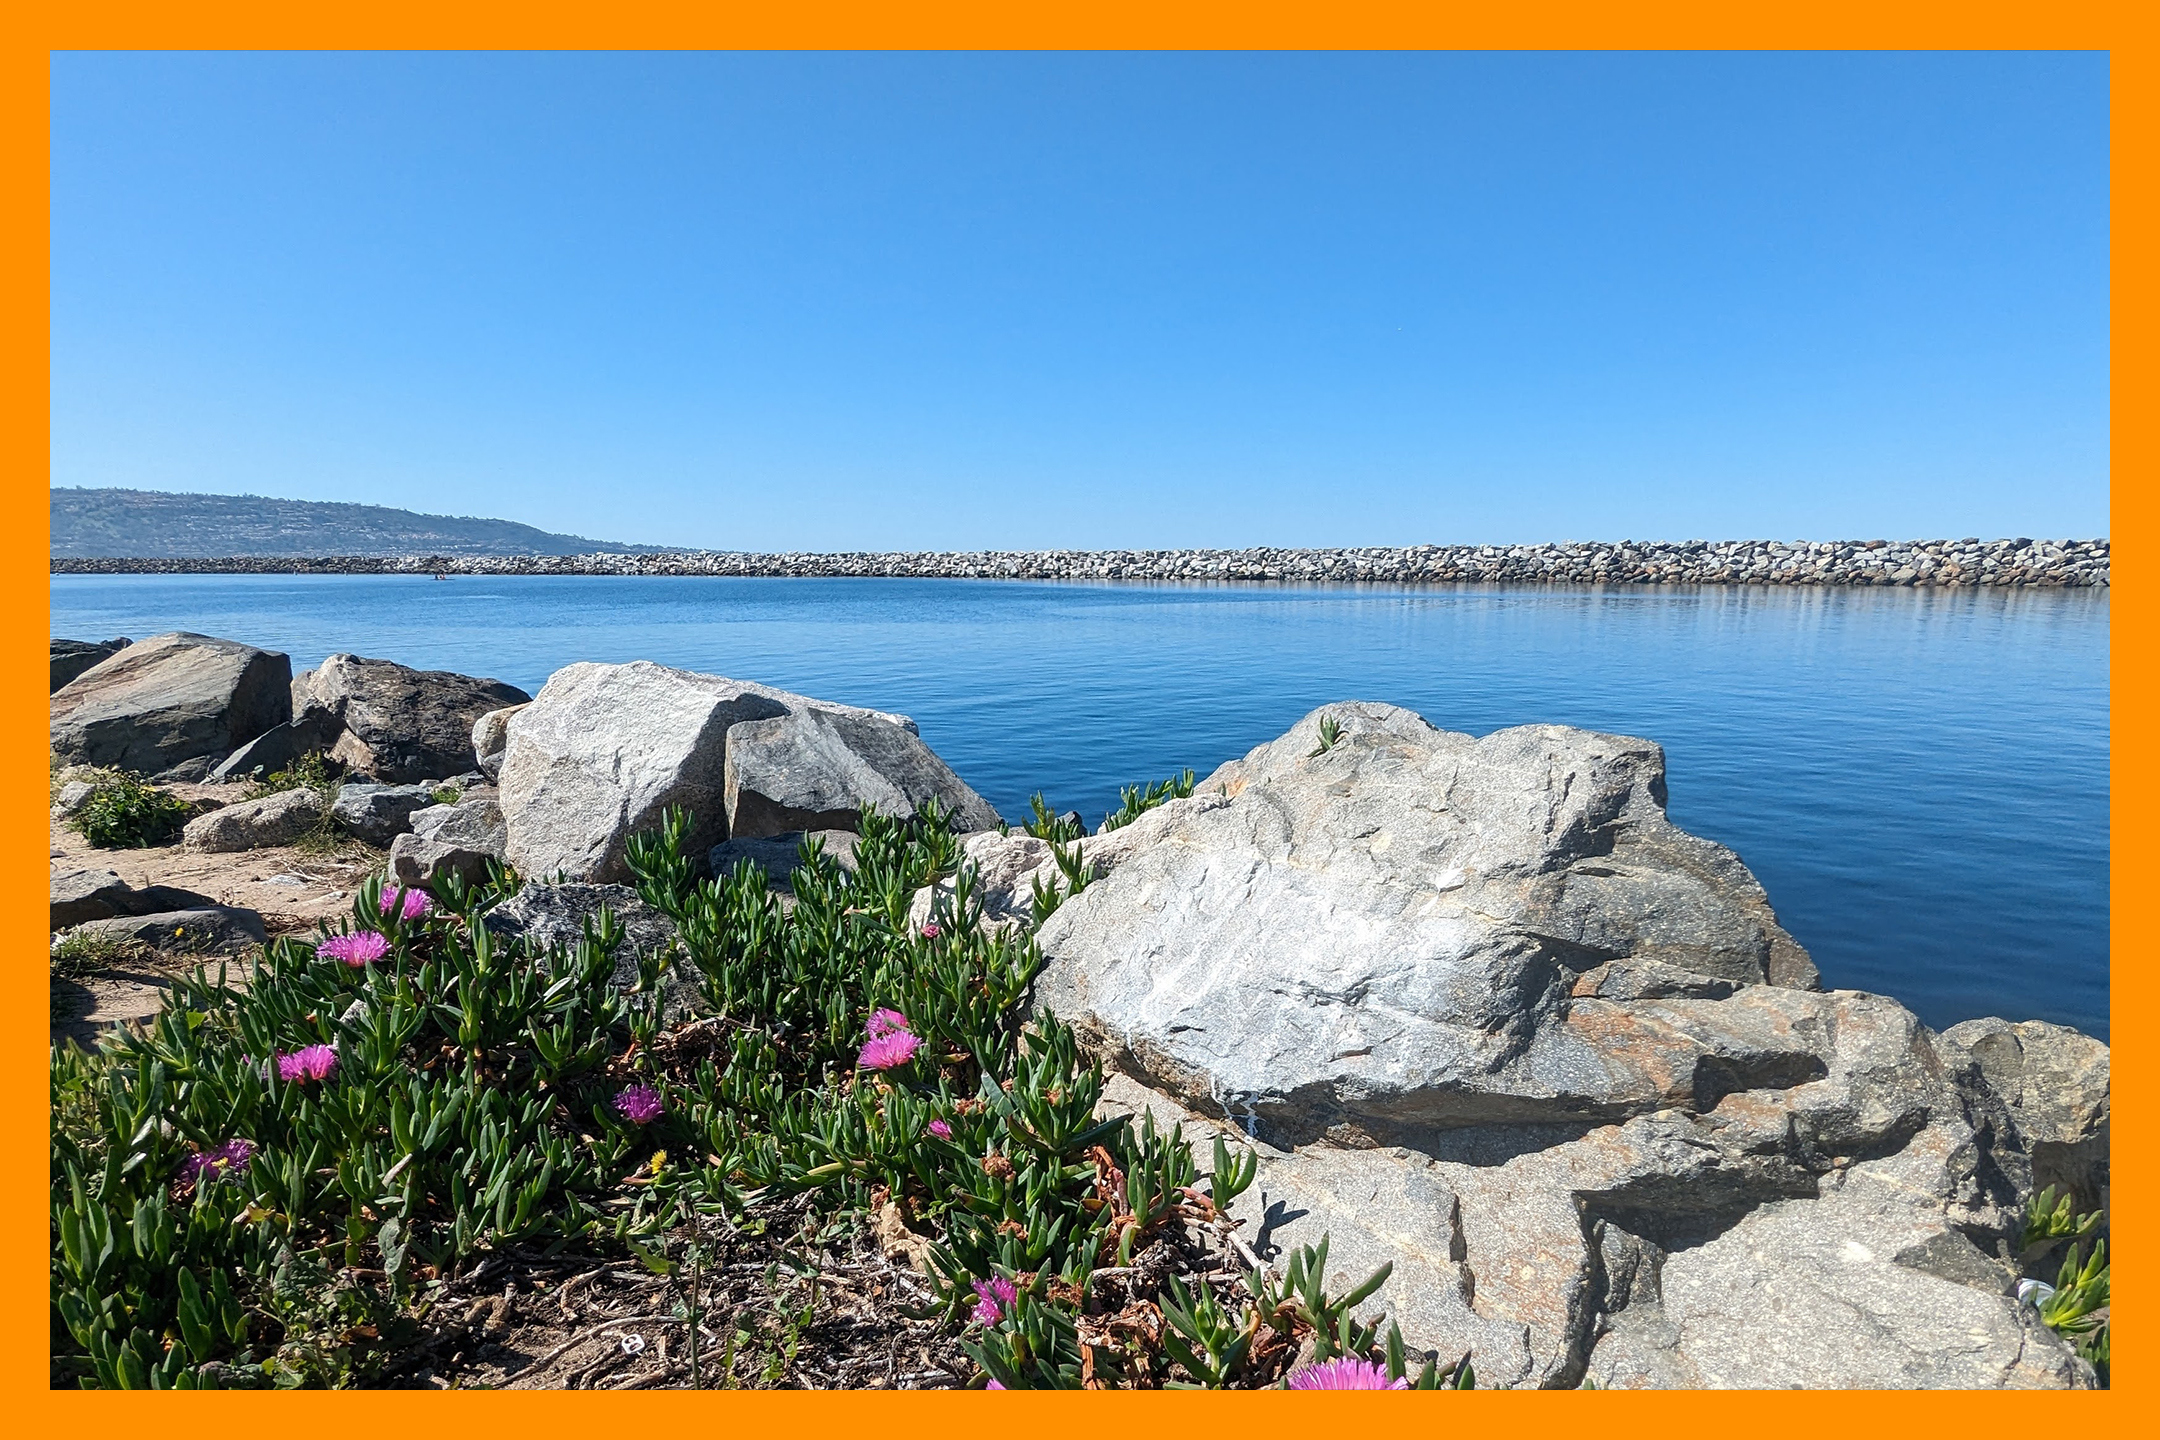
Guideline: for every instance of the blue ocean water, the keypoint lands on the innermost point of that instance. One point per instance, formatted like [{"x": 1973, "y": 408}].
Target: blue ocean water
[{"x": 1919, "y": 778}]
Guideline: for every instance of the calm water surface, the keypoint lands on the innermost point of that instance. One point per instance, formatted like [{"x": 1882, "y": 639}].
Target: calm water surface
[{"x": 1920, "y": 779}]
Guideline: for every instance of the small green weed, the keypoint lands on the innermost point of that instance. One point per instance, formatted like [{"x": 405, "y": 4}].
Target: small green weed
[
  {"x": 1139, "y": 799},
  {"x": 86, "y": 952},
  {"x": 124, "y": 813}
]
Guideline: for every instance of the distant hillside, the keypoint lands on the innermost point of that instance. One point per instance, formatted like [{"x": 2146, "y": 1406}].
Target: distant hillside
[{"x": 151, "y": 524}]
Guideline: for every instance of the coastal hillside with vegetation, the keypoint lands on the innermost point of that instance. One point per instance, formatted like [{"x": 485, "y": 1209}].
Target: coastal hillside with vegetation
[{"x": 151, "y": 524}]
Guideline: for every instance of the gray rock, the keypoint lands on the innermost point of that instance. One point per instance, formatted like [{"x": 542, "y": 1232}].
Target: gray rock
[
  {"x": 170, "y": 702},
  {"x": 604, "y": 750},
  {"x": 71, "y": 657},
  {"x": 209, "y": 930},
  {"x": 778, "y": 855},
  {"x": 1006, "y": 869},
  {"x": 378, "y": 813},
  {"x": 1388, "y": 935},
  {"x": 444, "y": 839},
  {"x": 545, "y": 915},
  {"x": 491, "y": 737},
  {"x": 275, "y": 819},
  {"x": 277, "y": 748},
  {"x": 1837, "y": 1291},
  {"x": 548, "y": 915},
  {"x": 819, "y": 770},
  {"x": 79, "y": 896},
  {"x": 193, "y": 771},
  {"x": 1487, "y": 1017},
  {"x": 2055, "y": 1082},
  {"x": 397, "y": 724},
  {"x": 73, "y": 796}
]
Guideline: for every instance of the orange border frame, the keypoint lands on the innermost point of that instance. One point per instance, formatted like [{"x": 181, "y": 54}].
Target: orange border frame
[{"x": 1259, "y": 24}]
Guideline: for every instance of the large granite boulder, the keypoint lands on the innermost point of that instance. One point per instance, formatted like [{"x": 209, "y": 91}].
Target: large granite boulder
[
  {"x": 604, "y": 750},
  {"x": 1487, "y": 1015},
  {"x": 817, "y": 769},
  {"x": 173, "y": 704},
  {"x": 275, "y": 819},
  {"x": 2055, "y": 1082},
  {"x": 71, "y": 657},
  {"x": 378, "y": 813},
  {"x": 1385, "y": 935},
  {"x": 396, "y": 724},
  {"x": 458, "y": 838}
]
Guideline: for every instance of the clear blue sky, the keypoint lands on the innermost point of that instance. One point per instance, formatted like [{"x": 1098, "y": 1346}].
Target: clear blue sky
[{"x": 842, "y": 302}]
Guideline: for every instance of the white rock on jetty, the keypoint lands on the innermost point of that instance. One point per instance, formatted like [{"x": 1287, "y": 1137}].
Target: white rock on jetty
[{"x": 1491, "y": 1017}]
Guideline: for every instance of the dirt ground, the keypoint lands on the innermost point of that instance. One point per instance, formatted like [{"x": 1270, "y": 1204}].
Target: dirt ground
[
  {"x": 290, "y": 888},
  {"x": 764, "y": 1306}
]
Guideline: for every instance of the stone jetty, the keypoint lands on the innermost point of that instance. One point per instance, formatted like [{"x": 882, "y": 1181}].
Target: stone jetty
[{"x": 2022, "y": 562}]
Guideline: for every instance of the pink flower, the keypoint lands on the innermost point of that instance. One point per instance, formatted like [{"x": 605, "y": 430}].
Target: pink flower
[
  {"x": 992, "y": 1384},
  {"x": 993, "y": 1297},
  {"x": 888, "y": 1051},
  {"x": 315, "y": 1062},
  {"x": 356, "y": 949},
  {"x": 406, "y": 904},
  {"x": 639, "y": 1104},
  {"x": 940, "y": 1129},
  {"x": 1345, "y": 1374},
  {"x": 930, "y": 930},
  {"x": 209, "y": 1165},
  {"x": 885, "y": 1022}
]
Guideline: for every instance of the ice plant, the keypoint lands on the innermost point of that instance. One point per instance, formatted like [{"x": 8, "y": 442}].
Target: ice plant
[
  {"x": 940, "y": 1129},
  {"x": 356, "y": 949},
  {"x": 208, "y": 1165},
  {"x": 315, "y": 1062},
  {"x": 639, "y": 1104},
  {"x": 930, "y": 930},
  {"x": 886, "y": 1022},
  {"x": 406, "y": 904},
  {"x": 888, "y": 1051},
  {"x": 993, "y": 1297},
  {"x": 1346, "y": 1373}
]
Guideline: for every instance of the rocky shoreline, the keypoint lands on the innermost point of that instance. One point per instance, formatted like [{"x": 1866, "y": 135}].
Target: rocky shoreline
[
  {"x": 2027, "y": 563},
  {"x": 1543, "y": 1064}
]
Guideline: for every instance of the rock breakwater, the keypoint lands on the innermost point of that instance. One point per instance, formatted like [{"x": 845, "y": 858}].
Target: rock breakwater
[{"x": 2019, "y": 562}]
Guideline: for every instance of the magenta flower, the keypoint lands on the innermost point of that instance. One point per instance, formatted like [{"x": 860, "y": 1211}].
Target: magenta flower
[
  {"x": 885, "y": 1022},
  {"x": 940, "y": 1129},
  {"x": 930, "y": 930},
  {"x": 315, "y": 1062},
  {"x": 888, "y": 1051},
  {"x": 406, "y": 904},
  {"x": 1345, "y": 1374},
  {"x": 993, "y": 1297},
  {"x": 639, "y": 1104},
  {"x": 356, "y": 949},
  {"x": 208, "y": 1165},
  {"x": 992, "y": 1384}
]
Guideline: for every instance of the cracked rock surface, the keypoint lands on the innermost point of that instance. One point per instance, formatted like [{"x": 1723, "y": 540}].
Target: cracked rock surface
[{"x": 1490, "y": 1017}]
